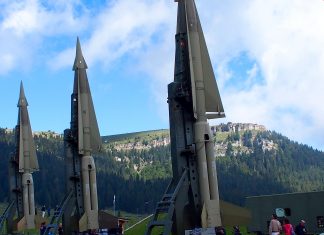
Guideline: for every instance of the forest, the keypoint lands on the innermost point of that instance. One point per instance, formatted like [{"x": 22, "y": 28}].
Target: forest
[{"x": 136, "y": 167}]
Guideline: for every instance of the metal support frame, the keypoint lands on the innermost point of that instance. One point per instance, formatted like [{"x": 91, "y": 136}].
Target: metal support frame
[
  {"x": 166, "y": 207},
  {"x": 15, "y": 185},
  {"x": 5, "y": 214},
  {"x": 74, "y": 207},
  {"x": 182, "y": 196},
  {"x": 52, "y": 227}
]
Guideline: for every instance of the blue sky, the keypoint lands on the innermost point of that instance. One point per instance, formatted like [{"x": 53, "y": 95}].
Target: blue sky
[{"x": 268, "y": 57}]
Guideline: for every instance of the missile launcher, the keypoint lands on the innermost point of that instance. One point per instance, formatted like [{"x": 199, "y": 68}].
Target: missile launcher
[
  {"x": 192, "y": 199},
  {"x": 81, "y": 141},
  {"x": 22, "y": 165}
]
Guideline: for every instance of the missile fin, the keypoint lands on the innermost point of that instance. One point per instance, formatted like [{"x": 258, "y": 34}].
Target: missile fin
[
  {"x": 85, "y": 104},
  {"x": 190, "y": 20},
  {"x": 33, "y": 162},
  {"x": 94, "y": 135},
  {"x": 213, "y": 100},
  {"x": 21, "y": 225},
  {"x": 88, "y": 134},
  {"x": 209, "y": 215},
  {"x": 83, "y": 223}
]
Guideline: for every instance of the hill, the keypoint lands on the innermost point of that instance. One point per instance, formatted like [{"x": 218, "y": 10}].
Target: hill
[{"x": 136, "y": 167}]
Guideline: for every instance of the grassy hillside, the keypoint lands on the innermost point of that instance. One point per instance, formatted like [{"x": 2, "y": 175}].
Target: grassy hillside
[
  {"x": 132, "y": 137},
  {"x": 138, "y": 228},
  {"x": 136, "y": 167}
]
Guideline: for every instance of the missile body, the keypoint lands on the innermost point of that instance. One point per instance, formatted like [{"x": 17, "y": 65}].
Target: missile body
[
  {"x": 22, "y": 165},
  {"x": 206, "y": 103},
  {"x": 193, "y": 98},
  {"x": 81, "y": 141}
]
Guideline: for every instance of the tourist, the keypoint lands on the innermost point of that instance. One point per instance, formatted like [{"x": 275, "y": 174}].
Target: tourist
[
  {"x": 300, "y": 228},
  {"x": 287, "y": 227},
  {"x": 43, "y": 211},
  {"x": 237, "y": 230},
  {"x": 274, "y": 226},
  {"x": 60, "y": 229},
  {"x": 42, "y": 228}
]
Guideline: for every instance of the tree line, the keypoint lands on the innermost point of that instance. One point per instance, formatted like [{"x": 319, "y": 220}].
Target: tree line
[{"x": 139, "y": 177}]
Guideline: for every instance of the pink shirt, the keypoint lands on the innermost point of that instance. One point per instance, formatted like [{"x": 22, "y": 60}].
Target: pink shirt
[{"x": 287, "y": 228}]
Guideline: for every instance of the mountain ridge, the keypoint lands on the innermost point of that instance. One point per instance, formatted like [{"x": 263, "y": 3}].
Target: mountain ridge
[{"x": 136, "y": 167}]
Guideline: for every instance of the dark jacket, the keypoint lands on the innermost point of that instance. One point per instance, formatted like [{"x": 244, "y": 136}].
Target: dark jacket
[
  {"x": 300, "y": 230},
  {"x": 60, "y": 231},
  {"x": 42, "y": 229}
]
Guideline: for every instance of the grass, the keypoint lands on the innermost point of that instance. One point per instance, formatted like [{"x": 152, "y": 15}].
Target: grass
[
  {"x": 31, "y": 232},
  {"x": 3, "y": 207},
  {"x": 135, "y": 229},
  {"x": 136, "y": 135},
  {"x": 140, "y": 229},
  {"x": 34, "y": 231},
  {"x": 131, "y": 217},
  {"x": 230, "y": 231},
  {"x": 222, "y": 136}
]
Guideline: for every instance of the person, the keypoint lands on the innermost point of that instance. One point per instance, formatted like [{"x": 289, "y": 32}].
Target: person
[
  {"x": 237, "y": 230},
  {"x": 48, "y": 211},
  {"x": 274, "y": 226},
  {"x": 300, "y": 228},
  {"x": 43, "y": 211},
  {"x": 220, "y": 230},
  {"x": 60, "y": 229},
  {"x": 42, "y": 228},
  {"x": 287, "y": 227}
]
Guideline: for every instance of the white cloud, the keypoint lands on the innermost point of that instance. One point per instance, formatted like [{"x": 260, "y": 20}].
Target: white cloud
[
  {"x": 7, "y": 62},
  {"x": 23, "y": 19},
  {"x": 283, "y": 38},
  {"x": 34, "y": 17},
  {"x": 142, "y": 30},
  {"x": 25, "y": 25},
  {"x": 122, "y": 27}
]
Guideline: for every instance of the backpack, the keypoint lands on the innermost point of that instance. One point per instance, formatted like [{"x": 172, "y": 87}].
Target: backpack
[{"x": 292, "y": 231}]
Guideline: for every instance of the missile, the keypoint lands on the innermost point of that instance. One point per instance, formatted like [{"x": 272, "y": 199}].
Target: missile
[
  {"x": 27, "y": 164},
  {"x": 191, "y": 200},
  {"x": 206, "y": 104},
  {"x": 85, "y": 131}
]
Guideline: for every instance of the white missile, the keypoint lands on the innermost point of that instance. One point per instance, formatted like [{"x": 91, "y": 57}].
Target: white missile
[
  {"x": 191, "y": 200},
  {"x": 89, "y": 141},
  {"x": 207, "y": 104},
  {"x": 27, "y": 163}
]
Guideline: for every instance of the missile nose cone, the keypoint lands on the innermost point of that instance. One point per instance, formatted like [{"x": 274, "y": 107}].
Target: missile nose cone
[
  {"x": 22, "y": 98},
  {"x": 79, "y": 62}
]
